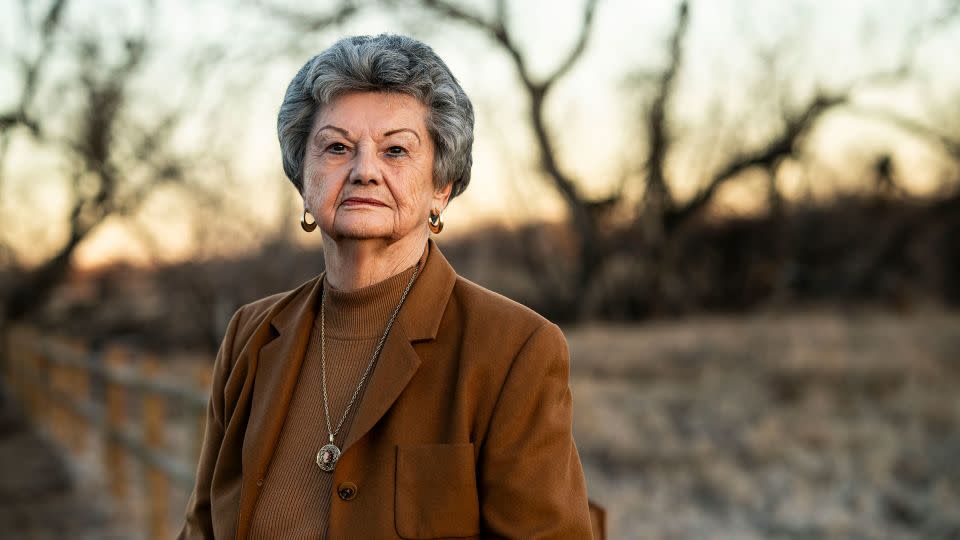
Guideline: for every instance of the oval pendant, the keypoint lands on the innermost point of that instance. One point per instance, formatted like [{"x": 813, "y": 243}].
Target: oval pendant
[{"x": 327, "y": 457}]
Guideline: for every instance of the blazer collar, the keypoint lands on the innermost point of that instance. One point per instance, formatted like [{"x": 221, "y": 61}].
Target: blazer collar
[
  {"x": 280, "y": 360},
  {"x": 423, "y": 309},
  {"x": 421, "y": 312}
]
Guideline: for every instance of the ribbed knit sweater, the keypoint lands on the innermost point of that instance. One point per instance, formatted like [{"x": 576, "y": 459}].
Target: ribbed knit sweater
[{"x": 296, "y": 494}]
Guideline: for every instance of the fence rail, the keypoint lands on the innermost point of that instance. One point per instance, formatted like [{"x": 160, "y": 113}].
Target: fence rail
[
  {"x": 72, "y": 392},
  {"x": 58, "y": 381}
]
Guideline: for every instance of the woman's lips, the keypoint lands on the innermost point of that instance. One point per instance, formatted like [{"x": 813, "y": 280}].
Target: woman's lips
[{"x": 357, "y": 201}]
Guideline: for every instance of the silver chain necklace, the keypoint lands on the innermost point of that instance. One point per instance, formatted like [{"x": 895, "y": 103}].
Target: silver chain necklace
[{"x": 329, "y": 454}]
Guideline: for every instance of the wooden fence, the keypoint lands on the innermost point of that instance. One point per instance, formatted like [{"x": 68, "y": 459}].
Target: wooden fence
[
  {"x": 73, "y": 392},
  {"x": 122, "y": 397}
]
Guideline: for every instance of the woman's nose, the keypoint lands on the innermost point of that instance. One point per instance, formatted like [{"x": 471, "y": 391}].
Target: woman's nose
[{"x": 365, "y": 166}]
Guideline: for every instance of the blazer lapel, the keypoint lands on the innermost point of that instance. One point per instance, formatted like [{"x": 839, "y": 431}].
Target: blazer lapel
[
  {"x": 396, "y": 366},
  {"x": 277, "y": 372},
  {"x": 418, "y": 320}
]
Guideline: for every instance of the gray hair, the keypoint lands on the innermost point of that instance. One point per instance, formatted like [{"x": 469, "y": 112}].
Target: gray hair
[{"x": 385, "y": 63}]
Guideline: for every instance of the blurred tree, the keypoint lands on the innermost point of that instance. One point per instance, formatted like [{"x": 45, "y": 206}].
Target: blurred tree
[
  {"x": 650, "y": 223},
  {"x": 588, "y": 215},
  {"x": 659, "y": 212},
  {"x": 113, "y": 161}
]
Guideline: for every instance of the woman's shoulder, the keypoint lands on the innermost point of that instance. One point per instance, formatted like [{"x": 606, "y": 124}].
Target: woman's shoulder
[
  {"x": 258, "y": 308},
  {"x": 501, "y": 336},
  {"x": 254, "y": 314},
  {"x": 497, "y": 313}
]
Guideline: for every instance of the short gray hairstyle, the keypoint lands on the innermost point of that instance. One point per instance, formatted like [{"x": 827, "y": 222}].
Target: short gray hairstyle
[{"x": 385, "y": 63}]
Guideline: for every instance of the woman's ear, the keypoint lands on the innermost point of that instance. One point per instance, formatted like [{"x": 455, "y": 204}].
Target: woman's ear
[{"x": 442, "y": 196}]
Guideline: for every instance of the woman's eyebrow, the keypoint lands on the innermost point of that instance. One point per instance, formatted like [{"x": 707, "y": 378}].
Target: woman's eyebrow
[
  {"x": 395, "y": 131},
  {"x": 342, "y": 131}
]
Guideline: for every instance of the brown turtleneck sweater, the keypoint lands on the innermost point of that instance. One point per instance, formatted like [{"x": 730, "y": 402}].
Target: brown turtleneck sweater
[{"x": 295, "y": 501}]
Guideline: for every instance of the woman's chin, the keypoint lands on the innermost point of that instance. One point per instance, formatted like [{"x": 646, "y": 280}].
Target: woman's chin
[{"x": 361, "y": 231}]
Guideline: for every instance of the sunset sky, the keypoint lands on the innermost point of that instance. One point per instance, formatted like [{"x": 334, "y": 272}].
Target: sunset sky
[{"x": 593, "y": 113}]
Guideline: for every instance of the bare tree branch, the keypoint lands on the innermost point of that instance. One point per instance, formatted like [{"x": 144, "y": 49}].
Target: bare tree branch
[
  {"x": 536, "y": 90},
  {"x": 657, "y": 196},
  {"x": 584, "y": 212},
  {"x": 17, "y": 118},
  {"x": 313, "y": 23},
  {"x": 586, "y": 29},
  {"x": 497, "y": 30},
  {"x": 950, "y": 144},
  {"x": 31, "y": 70},
  {"x": 453, "y": 11},
  {"x": 500, "y": 13},
  {"x": 779, "y": 147}
]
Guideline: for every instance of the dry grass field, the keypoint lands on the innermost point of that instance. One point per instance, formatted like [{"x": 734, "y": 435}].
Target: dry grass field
[
  {"x": 807, "y": 426},
  {"x": 802, "y": 426}
]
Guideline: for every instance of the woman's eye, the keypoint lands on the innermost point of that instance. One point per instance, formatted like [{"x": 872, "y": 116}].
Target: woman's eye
[
  {"x": 337, "y": 148},
  {"x": 396, "y": 151}
]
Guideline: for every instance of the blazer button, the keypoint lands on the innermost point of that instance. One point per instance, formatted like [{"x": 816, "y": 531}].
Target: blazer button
[{"x": 347, "y": 491}]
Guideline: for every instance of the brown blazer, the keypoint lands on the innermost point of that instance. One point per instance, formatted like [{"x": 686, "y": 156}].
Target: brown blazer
[{"x": 464, "y": 429}]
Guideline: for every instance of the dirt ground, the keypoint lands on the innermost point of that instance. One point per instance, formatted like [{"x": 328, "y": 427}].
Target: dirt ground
[{"x": 775, "y": 427}]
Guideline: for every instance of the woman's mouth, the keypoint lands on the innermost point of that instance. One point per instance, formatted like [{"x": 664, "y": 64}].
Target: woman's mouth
[{"x": 358, "y": 201}]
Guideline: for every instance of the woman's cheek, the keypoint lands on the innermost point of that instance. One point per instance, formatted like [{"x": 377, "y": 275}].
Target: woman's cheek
[
  {"x": 408, "y": 204},
  {"x": 318, "y": 197}
]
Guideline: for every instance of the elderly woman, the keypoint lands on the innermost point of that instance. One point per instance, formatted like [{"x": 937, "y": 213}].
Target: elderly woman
[{"x": 388, "y": 397}]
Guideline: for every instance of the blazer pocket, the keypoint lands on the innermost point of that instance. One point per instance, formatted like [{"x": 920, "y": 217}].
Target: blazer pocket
[{"x": 436, "y": 493}]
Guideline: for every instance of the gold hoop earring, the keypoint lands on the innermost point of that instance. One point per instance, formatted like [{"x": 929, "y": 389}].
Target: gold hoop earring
[
  {"x": 309, "y": 227},
  {"x": 435, "y": 221}
]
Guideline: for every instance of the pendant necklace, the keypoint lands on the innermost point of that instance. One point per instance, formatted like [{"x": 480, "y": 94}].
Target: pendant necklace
[{"x": 329, "y": 454}]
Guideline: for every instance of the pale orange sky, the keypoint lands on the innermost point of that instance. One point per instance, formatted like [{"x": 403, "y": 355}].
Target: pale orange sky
[{"x": 588, "y": 113}]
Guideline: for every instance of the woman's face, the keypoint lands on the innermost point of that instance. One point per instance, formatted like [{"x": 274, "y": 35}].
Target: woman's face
[{"x": 368, "y": 168}]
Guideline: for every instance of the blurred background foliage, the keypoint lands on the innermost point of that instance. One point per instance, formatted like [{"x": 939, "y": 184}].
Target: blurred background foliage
[{"x": 720, "y": 156}]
